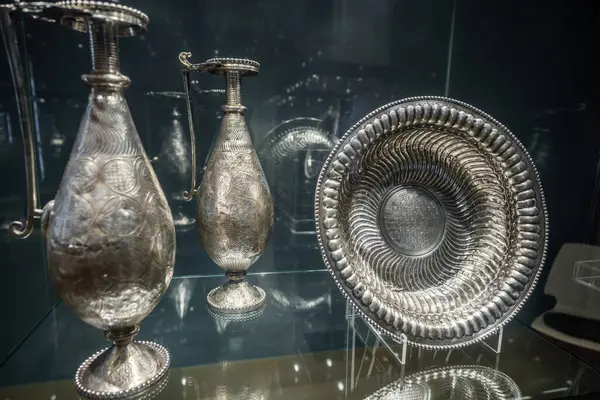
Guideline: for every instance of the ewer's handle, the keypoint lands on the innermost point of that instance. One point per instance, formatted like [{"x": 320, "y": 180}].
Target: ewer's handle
[
  {"x": 23, "y": 96},
  {"x": 189, "y": 67},
  {"x": 188, "y": 101}
]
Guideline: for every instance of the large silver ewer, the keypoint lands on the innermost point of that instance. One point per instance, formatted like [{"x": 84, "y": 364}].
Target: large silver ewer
[
  {"x": 109, "y": 233},
  {"x": 234, "y": 213}
]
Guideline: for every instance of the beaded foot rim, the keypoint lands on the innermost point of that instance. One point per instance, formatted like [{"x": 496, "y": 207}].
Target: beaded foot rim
[{"x": 122, "y": 394}]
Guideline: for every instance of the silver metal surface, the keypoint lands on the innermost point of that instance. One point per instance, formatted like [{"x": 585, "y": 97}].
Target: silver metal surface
[
  {"x": 432, "y": 220},
  {"x": 464, "y": 382},
  {"x": 236, "y": 298},
  {"x": 110, "y": 239},
  {"x": 234, "y": 211},
  {"x": 132, "y": 363},
  {"x": 76, "y": 14},
  {"x": 412, "y": 220}
]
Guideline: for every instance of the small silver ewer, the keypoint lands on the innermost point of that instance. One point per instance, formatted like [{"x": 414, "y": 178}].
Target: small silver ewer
[
  {"x": 110, "y": 239},
  {"x": 234, "y": 213}
]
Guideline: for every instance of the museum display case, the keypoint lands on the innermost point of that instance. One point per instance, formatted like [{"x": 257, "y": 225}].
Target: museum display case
[{"x": 418, "y": 207}]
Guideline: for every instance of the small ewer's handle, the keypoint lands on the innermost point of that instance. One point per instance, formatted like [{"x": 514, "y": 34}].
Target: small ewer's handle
[
  {"x": 190, "y": 115},
  {"x": 187, "y": 68}
]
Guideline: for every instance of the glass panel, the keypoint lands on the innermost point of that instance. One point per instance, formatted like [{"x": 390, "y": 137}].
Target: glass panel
[
  {"x": 301, "y": 346},
  {"x": 531, "y": 70},
  {"x": 25, "y": 296},
  {"x": 324, "y": 65}
]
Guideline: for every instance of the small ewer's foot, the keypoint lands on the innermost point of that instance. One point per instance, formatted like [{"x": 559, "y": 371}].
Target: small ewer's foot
[{"x": 236, "y": 296}]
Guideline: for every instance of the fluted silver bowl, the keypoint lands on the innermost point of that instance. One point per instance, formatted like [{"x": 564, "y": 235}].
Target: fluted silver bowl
[
  {"x": 464, "y": 382},
  {"x": 431, "y": 219}
]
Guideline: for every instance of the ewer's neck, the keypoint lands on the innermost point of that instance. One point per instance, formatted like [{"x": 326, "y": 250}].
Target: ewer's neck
[
  {"x": 234, "y": 95},
  {"x": 122, "y": 337},
  {"x": 104, "y": 48}
]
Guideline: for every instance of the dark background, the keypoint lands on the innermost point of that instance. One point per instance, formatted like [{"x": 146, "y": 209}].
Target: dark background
[{"x": 530, "y": 64}]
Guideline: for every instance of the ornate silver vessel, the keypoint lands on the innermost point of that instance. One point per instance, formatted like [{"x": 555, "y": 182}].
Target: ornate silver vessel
[
  {"x": 110, "y": 239},
  {"x": 432, "y": 220},
  {"x": 234, "y": 211},
  {"x": 464, "y": 382}
]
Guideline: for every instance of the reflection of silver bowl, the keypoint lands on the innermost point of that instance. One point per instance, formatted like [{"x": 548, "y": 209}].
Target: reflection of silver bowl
[
  {"x": 292, "y": 136},
  {"x": 459, "y": 383},
  {"x": 303, "y": 138},
  {"x": 294, "y": 302},
  {"x": 431, "y": 218},
  {"x": 292, "y": 155}
]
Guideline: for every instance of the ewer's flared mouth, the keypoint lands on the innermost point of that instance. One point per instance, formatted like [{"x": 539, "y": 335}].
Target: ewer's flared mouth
[{"x": 119, "y": 372}]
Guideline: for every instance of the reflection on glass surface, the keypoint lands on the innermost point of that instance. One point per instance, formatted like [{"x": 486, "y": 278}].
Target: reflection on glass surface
[
  {"x": 57, "y": 141},
  {"x": 6, "y": 136},
  {"x": 294, "y": 302},
  {"x": 223, "y": 320},
  {"x": 293, "y": 153},
  {"x": 234, "y": 381},
  {"x": 173, "y": 162},
  {"x": 313, "y": 163},
  {"x": 574, "y": 283},
  {"x": 297, "y": 352},
  {"x": 455, "y": 383},
  {"x": 209, "y": 117},
  {"x": 181, "y": 294},
  {"x": 149, "y": 393}
]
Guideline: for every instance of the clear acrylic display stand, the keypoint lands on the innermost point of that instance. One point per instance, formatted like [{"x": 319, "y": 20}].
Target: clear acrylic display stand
[
  {"x": 494, "y": 343},
  {"x": 587, "y": 273},
  {"x": 402, "y": 351}
]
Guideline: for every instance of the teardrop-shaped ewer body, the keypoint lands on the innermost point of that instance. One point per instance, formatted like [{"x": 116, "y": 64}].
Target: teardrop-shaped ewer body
[
  {"x": 235, "y": 210},
  {"x": 110, "y": 240}
]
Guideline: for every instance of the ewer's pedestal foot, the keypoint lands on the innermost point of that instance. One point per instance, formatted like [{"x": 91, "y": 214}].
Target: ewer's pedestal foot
[
  {"x": 236, "y": 297},
  {"x": 122, "y": 372}
]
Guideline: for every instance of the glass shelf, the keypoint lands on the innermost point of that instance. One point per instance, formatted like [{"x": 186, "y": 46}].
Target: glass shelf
[{"x": 303, "y": 346}]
